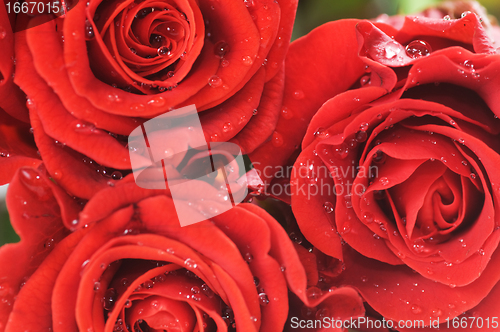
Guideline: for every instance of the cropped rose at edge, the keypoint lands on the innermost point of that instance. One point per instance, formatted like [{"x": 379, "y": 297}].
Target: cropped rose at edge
[
  {"x": 95, "y": 75},
  {"x": 130, "y": 260},
  {"x": 420, "y": 104}
]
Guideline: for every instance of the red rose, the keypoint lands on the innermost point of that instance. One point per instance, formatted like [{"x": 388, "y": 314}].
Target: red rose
[
  {"x": 97, "y": 73},
  {"x": 130, "y": 265},
  {"x": 398, "y": 174}
]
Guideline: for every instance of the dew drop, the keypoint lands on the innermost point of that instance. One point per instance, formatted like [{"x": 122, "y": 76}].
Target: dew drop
[
  {"x": 384, "y": 181},
  {"x": 263, "y": 299},
  {"x": 313, "y": 292},
  {"x": 299, "y": 94},
  {"x": 364, "y": 126},
  {"x": 364, "y": 80},
  {"x": 368, "y": 217},
  {"x": 277, "y": 139},
  {"x": 346, "y": 228},
  {"x": 342, "y": 151},
  {"x": 163, "y": 50},
  {"x": 207, "y": 291},
  {"x": 328, "y": 206},
  {"x": 221, "y": 48},
  {"x": 116, "y": 175},
  {"x": 248, "y": 257},
  {"x": 321, "y": 133},
  {"x": 190, "y": 263},
  {"x": 247, "y": 60},
  {"x": 57, "y": 174},
  {"x": 109, "y": 299},
  {"x": 215, "y": 81},
  {"x": 3, "y": 33},
  {"x": 286, "y": 113},
  {"x": 148, "y": 284},
  {"x": 416, "y": 309},
  {"x": 348, "y": 201},
  {"x": 436, "y": 312},
  {"x": 418, "y": 48},
  {"x": 361, "y": 136},
  {"x": 224, "y": 63},
  {"x": 465, "y": 14},
  {"x": 322, "y": 313},
  {"x": 89, "y": 30}
]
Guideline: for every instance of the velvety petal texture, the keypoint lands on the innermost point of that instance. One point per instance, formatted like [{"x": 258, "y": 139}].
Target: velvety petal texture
[
  {"x": 129, "y": 266},
  {"x": 100, "y": 71},
  {"x": 397, "y": 177}
]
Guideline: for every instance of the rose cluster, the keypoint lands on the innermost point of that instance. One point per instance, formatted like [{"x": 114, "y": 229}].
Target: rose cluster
[{"x": 384, "y": 135}]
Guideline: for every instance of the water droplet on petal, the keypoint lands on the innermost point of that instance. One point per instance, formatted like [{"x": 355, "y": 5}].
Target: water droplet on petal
[
  {"x": 207, "y": 291},
  {"x": 368, "y": 217},
  {"x": 190, "y": 263},
  {"x": 321, "y": 133},
  {"x": 418, "y": 48},
  {"x": 57, "y": 174},
  {"x": 342, "y": 151},
  {"x": 163, "y": 50},
  {"x": 328, "y": 206},
  {"x": 361, "y": 136},
  {"x": 348, "y": 201},
  {"x": 263, "y": 299},
  {"x": 416, "y": 309},
  {"x": 277, "y": 139},
  {"x": 364, "y": 80},
  {"x": 286, "y": 113},
  {"x": 436, "y": 312},
  {"x": 364, "y": 126},
  {"x": 247, "y": 60},
  {"x": 313, "y": 292},
  {"x": 384, "y": 181},
  {"x": 299, "y": 94},
  {"x": 221, "y": 48},
  {"x": 215, "y": 81},
  {"x": 89, "y": 30},
  {"x": 467, "y": 12},
  {"x": 346, "y": 228},
  {"x": 109, "y": 299},
  {"x": 248, "y": 257}
]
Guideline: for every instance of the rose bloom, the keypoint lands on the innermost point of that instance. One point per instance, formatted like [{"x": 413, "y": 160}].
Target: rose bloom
[
  {"x": 97, "y": 72},
  {"x": 398, "y": 173},
  {"x": 129, "y": 266}
]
